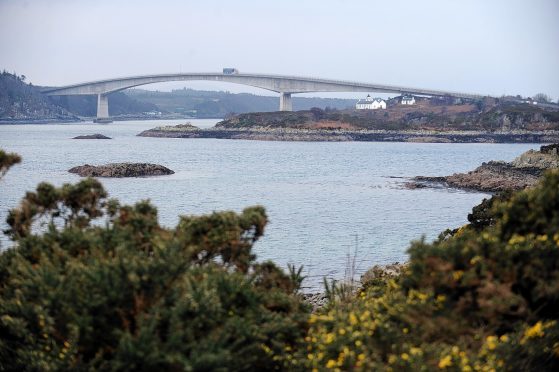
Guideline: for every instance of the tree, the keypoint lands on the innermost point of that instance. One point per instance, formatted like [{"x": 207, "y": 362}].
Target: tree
[
  {"x": 542, "y": 97},
  {"x": 317, "y": 113}
]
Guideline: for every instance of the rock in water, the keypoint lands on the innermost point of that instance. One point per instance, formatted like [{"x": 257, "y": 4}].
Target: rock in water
[
  {"x": 92, "y": 136},
  {"x": 121, "y": 170},
  {"x": 495, "y": 176}
]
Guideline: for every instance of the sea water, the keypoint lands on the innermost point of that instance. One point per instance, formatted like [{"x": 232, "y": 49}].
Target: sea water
[{"x": 324, "y": 200}]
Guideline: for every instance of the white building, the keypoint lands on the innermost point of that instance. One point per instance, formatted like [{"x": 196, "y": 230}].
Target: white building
[
  {"x": 408, "y": 100},
  {"x": 370, "y": 103}
]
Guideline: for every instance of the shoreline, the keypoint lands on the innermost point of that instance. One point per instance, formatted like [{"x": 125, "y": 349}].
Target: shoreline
[
  {"x": 498, "y": 176},
  {"x": 341, "y": 135}
]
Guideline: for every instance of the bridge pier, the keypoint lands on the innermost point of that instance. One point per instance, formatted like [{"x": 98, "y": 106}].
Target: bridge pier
[
  {"x": 285, "y": 102},
  {"x": 102, "y": 109}
]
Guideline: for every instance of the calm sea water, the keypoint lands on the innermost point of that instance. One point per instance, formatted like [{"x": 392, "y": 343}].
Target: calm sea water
[{"x": 324, "y": 200}]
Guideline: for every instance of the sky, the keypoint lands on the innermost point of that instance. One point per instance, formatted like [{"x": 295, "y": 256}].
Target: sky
[{"x": 476, "y": 46}]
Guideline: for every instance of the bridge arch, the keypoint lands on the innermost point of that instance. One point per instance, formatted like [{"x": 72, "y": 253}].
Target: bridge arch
[{"x": 285, "y": 85}]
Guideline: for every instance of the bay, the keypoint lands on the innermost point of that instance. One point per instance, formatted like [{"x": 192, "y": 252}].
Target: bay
[{"x": 324, "y": 200}]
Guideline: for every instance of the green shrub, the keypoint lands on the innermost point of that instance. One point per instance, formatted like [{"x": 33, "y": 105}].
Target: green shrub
[
  {"x": 7, "y": 161},
  {"x": 485, "y": 298},
  {"x": 91, "y": 284}
]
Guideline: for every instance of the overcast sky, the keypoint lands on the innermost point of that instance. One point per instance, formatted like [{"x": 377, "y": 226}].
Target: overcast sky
[{"x": 479, "y": 46}]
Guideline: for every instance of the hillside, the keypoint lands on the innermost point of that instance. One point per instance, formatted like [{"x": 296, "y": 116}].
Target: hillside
[
  {"x": 22, "y": 101},
  {"x": 430, "y": 120},
  {"x": 428, "y": 114},
  {"x": 119, "y": 104},
  {"x": 203, "y": 104}
]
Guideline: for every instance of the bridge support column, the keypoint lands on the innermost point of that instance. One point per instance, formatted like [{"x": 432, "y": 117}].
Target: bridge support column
[
  {"x": 285, "y": 102},
  {"x": 102, "y": 109}
]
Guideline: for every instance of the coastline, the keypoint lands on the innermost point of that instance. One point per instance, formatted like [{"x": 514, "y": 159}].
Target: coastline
[
  {"x": 498, "y": 176},
  {"x": 343, "y": 135}
]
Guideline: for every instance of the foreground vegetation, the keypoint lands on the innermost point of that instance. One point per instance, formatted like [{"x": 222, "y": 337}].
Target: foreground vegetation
[
  {"x": 92, "y": 284},
  {"x": 485, "y": 297}
]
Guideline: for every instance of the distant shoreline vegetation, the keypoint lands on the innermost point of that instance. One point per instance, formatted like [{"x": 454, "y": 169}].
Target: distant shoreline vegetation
[{"x": 431, "y": 120}]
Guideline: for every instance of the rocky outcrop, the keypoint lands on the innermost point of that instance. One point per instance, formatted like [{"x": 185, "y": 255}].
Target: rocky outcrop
[
  {"x": 382, "y": 272},
  {"x": 316, "y": 300},
  {"x": 340, "y": 135},
  {"x": 121, "y": 170},
  {"x": 370, "y": 277},
  {"x": 186, "y": 130},
  {"x": 92, "y": 136},
  {"x": 546, "y": 158},
  {"x": 495, "y": 176}
]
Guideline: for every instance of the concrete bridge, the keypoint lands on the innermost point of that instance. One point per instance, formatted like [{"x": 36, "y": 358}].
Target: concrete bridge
[{"x": 284, "y": 85}]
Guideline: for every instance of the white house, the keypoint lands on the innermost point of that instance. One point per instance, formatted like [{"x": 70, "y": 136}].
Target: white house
[
  {"x": 408, "y": 100},
  {"x": 370, "y": 103}
]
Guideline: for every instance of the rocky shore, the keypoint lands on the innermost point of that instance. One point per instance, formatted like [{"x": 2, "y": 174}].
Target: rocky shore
[
  {"x": 340, "y": 135},
  {"x": 92, "y": 136},
  {"x": 121, "y": 170},
  {"x": 496, "y": 176},
  {"x": 376, "y": 273}
]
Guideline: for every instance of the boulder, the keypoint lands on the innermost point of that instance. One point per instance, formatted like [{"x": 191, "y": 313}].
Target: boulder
[{"x": 121, "y": 170}]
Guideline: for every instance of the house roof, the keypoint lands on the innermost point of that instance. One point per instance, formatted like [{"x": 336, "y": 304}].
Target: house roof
[{"x": 369, "y": 100}]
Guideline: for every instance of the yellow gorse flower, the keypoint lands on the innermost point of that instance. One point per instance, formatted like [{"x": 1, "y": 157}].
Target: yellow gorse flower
[
  {"x": 445, "y": 362},
  {"x": 491, "y": 342}
]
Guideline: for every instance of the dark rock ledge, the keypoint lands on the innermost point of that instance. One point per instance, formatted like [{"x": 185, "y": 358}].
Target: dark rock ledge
[
  {"x": 121, "y": 170},
  {"x": 92, "y": 136}
]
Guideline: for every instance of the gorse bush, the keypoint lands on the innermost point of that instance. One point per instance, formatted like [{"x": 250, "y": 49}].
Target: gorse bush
[
  {"x": 486, "y": 298},
  {"x": 7, "y": 161},
  {"x": 128, "y": 294}
]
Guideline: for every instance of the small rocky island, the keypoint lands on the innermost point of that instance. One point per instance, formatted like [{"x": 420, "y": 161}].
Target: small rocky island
[
  {"x": 121, "y": 170},
  {"x": 430, "y": 120},
  {"x": 496, "y": 176},
  {"x": 92, "y": 136}
]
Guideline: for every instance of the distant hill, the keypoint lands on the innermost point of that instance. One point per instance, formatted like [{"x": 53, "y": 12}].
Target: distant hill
[
  {"x": 119, "y": 104},
  {"x": 22, "y": 101},
  {"x": 200, "y": 103}
]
